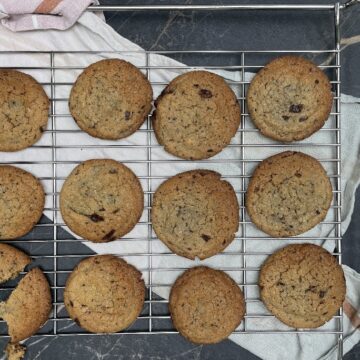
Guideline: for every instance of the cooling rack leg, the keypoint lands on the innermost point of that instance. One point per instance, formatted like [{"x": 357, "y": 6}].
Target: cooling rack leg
[
  {"x": 148, "y": 126},
  {"x": 243, "y": 172},
  {"x": 338, "y": 233},
  {"x": 54, "y": 187}
]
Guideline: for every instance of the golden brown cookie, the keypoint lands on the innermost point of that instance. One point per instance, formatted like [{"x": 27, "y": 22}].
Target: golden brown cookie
[
  {"x": 302, "y": 285},
  {"x": 101, "y": 200},
  {"x": 104, "y": 294},
  {"x": 12, "y": 261},
  {"x": 24, "y": 110},
  {"x": 196, "y": 115},
  {"x": 22, "y": 200},
  {"x": 206, "y": 305},
  {"x": 28, "y": 306},
  {"x": 195, "y": 213},
  {"x": 288, "y": 194},
  {"x": 110, "y": 99},
  {"x": 289, "y": 99}
]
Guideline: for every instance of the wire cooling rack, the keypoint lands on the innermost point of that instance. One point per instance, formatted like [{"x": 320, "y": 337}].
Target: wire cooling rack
[{"x": 61, "y": 148}]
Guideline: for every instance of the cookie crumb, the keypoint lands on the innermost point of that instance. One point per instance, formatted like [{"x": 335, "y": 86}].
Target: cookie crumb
[{"x": 15, "y": 351}]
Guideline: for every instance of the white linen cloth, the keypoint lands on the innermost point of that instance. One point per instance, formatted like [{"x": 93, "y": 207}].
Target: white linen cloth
[
  {"x": 90, "y": 33},
  {"x": 41, "y": 14}
]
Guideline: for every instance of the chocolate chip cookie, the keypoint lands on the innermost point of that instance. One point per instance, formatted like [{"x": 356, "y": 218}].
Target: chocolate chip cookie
[
  {"x": 288, "y": 194},
  {"x": 24, "y": 110},
  {"x": 206, "y": 305},
  {"x": 101, "y": 200},
  {"x": 289, "y": 99},
  {"x": 22, "y": 201},
  {"x": 110, "y": 99},
  {"x": 104, "y": 294},
  {"x": 28, "y": 306},
  {"x": 195, "y": 213},
  {"x": 196, "y": 115},
  {"x": 302, "y": 285},
  {"x": 12, "y": 262}
]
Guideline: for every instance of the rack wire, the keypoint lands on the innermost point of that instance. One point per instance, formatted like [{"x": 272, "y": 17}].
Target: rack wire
[{"x": 57, "y": 252}]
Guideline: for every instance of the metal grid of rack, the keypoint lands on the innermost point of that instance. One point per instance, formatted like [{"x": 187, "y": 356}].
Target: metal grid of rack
[{"x": 56, "y": 251}]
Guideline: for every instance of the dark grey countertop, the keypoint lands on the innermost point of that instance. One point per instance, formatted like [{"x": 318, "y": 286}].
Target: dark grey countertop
[{"x": 201, "y": 30}]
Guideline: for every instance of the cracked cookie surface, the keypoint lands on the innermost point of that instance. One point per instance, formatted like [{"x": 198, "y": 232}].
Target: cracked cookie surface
[
  {"x": 288, "y": 194},
  {"x": 289, "y": 99},
  {"x": 196, "y": 115},
  {"x": 110, "y": 99},
  {"x": 12, "y": 262},
  {"x": 101, "y": 200},
  {"x": 206, "y": 305},
  {"x": 22, "y": 201},
  {"x": 24, "y": 110},
  {"x": 302, "y": 285},
  {"x": 28, "y": 306},
  {"x": 195, "y": 213},
  {"x": 104, "y": 294}
]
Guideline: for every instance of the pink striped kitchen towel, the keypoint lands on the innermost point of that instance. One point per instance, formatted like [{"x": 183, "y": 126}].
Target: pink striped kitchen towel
[{"x": 22, "y": 15}]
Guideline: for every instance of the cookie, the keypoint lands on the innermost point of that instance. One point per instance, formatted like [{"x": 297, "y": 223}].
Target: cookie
[
  {"x": 196, "y": 115},
  {"x": 24, "y": 110},
  {"x": 195, "y": 213},
  {"x": 28, "y": 306},
  {"x": 22, "y": 200},
  {"x": 288, "y": 194},
  {"x": 101, "y": 200},
  {"x": 12, "y": 261},
  {"x": 302, "y": 285},
  {"x": 289, "y": 99},
  {"x": 110, "y": 99},
  {"x": 206, "y": 305},
  {"x": 104, "y": 294}
]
